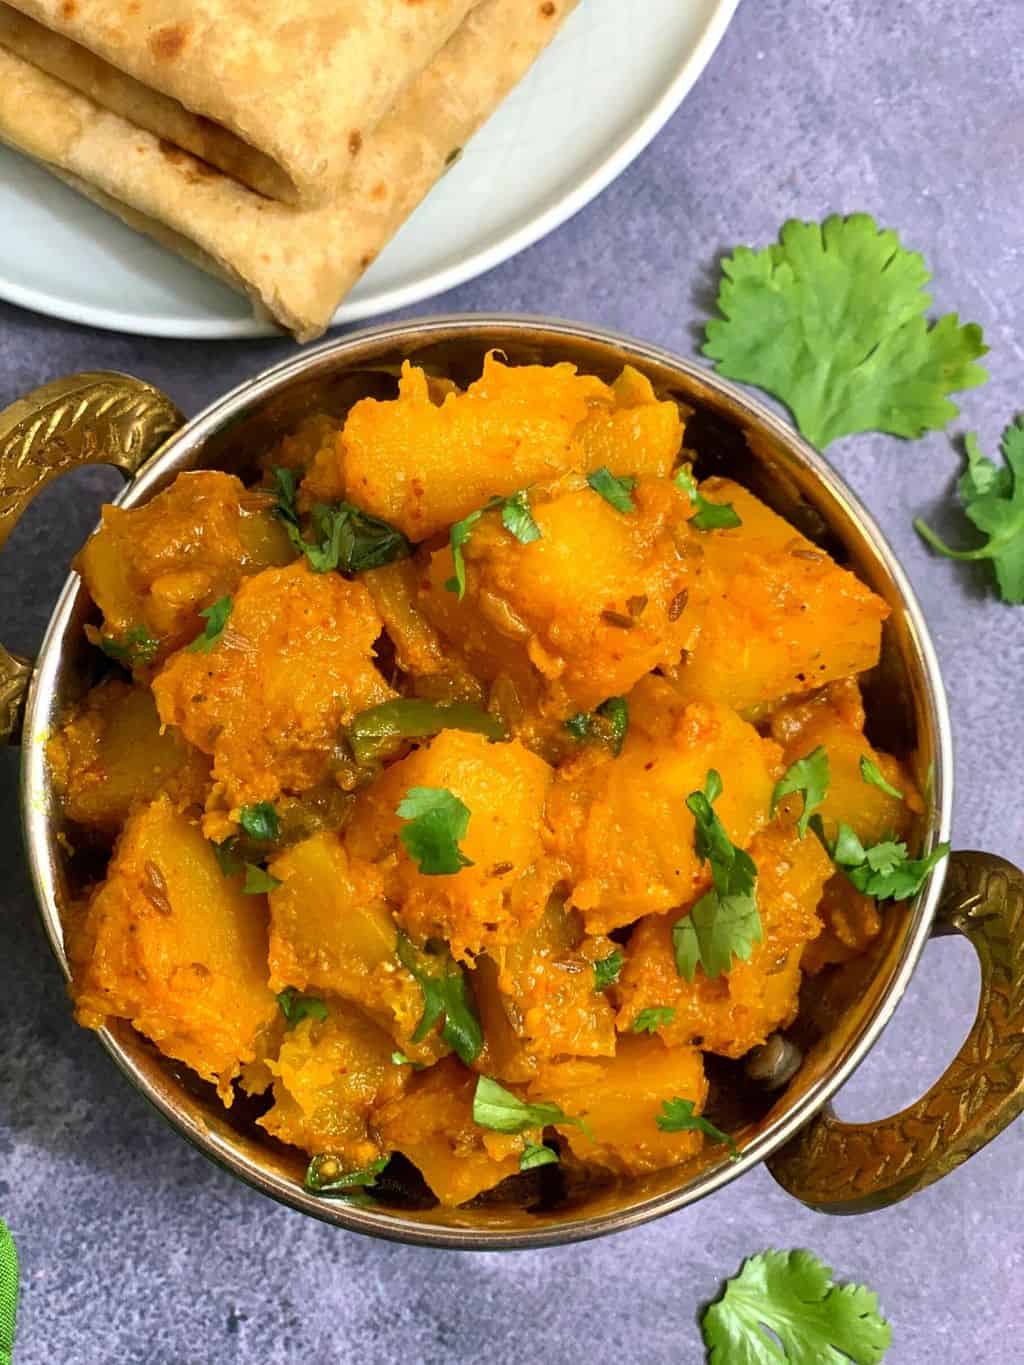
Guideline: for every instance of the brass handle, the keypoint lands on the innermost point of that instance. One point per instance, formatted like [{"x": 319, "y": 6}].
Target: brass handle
[
  {"x": 840, "y": 1167},
  {"x": 100, "y": 418}
]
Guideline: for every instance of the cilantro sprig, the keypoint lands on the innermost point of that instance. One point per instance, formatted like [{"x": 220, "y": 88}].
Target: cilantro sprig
[
  {"x": 873, "y": 775},
  {"x": 793, "y": 1295},
  {"x": 993, "y": 498},
  {"x": 535, "y": 1155},
  {"x": 810, "y": 777},
  {"x": 447, "y": 1000},
  {"x": 216, "y": 617},
  {"x": 830, "y": 319},
  {"x": 295, "y": 1007},
  {"x": 709, "y": 516},
  {"x": 326, "y": 1176},
  {"x": 346, "y": 539},
  {"x": 496, "y": 1108},
  {"x": 606, "y": 972},
  {"x": 677, "y": 1116},
  {"x": 725, "y": 923},
  {"x": 137, "y": 647},
  {"x": 615, "y": 491},
  {"x": 437, "y": 820},
  {"x": 257, "y": 879},
  {"x": 609, "y": 724},
  {"x": 516, "y": 518},
  {"x": 884, "y": 870},
  {"x": 260, "y": 822},
  {"x": 654, "y": 1018}
]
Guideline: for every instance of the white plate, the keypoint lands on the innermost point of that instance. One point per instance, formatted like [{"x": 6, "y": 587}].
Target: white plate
[{"x": 600, "y": 93}]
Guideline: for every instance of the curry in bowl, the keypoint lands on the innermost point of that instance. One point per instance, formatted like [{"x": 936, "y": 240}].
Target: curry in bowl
[{"x": 471, "y": 778}]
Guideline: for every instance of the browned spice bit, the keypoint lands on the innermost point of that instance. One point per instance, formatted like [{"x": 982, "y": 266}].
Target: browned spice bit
[
  {"x": 678, "y": 604},
  {"x": 617, "y": 618},
  {"x": 154, "y": 888},
  {"x": 815, "y": 555},
  {"x": 201, "y": 970},
  {"x": 499, "y": 869},
  {"x": 635, "y": 605}
]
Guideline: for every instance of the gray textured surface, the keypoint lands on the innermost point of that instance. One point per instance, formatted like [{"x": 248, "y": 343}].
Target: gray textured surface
[{"x": 134, "y": 1248}]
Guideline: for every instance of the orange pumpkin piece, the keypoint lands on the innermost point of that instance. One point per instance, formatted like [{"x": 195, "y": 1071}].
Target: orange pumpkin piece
[
  {"x": 620, "y": 1098},
  {"x": 619, "y": 827},
  {"x": 331, "y": 1076},
  {"x": 782, "y": 617},
  {"x": 170, "y": 944},
  {"x": 432, "y": 1124},
  {"x": 740, "y": 1008},
  {"x": 422, "y": 465},
  {"x": 494, "y": 900},
  {"x": 111, "y": 755},
  {"x": 156, "y": 567},
  {"x": 583, "y": 612},
  {"x": 294, "y": 664},
  {"x": 332, "y": 931}
]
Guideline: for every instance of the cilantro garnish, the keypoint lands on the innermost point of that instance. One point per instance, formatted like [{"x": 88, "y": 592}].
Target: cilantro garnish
[
  {"x": 260, "y": 822},
  {"x": 884, "y": 871},
  {"x": 535, "y": 1155},
  {"x": 993, "y": 499},
  {"x": 258, "y": 881},
  {"x": 650, "y": 1020},
  {"x": 609, "y": 724},
  {"x": 137, "y": 647},
  {"x": 516, "y": 518},
  {"x": 295, "y": 1007},
  {"x": 216, "y": 619},
  {"x": 446, "y": 997},
  {"x": 400, "y": 1059},
  {"x": 437, "y": 820},
  {"x": 872, "y": 774},
  {"x": 606, "y": 972},
  {"x": 830, "y": 319},
  {"x": 724, "y": 924},
  {"x": 709, "y": 516},
  {"x": 613, "y": 490},
  {"x": 496, "y": 1108},
  {"x": 346, "y": 539},
  {"x": 810, "y": 777},
  {"x": 677, "y": 1116},
  {"x": 326, "y": 1176},
  {"x": 792, "y": 1295},
  {"x": 230, "y": 864}
]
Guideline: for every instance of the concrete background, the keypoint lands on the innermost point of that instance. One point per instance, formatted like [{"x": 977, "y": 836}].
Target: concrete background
[{"x": 134, "y": 1248}]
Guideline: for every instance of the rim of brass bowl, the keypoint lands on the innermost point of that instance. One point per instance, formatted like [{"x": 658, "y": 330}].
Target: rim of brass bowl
[{"x": 790, "y": 460}]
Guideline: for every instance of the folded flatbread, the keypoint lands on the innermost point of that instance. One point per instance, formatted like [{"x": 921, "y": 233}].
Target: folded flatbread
[
  {"x": 295, "y": 263},
  {"x": 280, "y": 94}
]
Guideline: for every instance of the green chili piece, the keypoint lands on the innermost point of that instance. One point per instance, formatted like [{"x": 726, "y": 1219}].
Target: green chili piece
[{"x": 375, "y": 731}]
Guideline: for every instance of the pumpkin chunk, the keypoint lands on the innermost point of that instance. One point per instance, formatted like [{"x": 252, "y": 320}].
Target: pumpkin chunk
[
  {"x": 172, "y": 945},
  {"x": 293, "y": 665}
]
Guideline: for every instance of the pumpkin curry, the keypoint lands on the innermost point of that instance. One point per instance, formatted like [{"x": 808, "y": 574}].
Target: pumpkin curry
[{"x": 469, "y": 776}]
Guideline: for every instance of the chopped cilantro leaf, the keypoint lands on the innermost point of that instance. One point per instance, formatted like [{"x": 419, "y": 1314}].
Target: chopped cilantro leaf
[
  {"x": 258, "y": 881},
  {"x": 613, "y": 490},
  {"x": 606, "y": 972},
  {"x": 792, "y": 1294},
  {"x": 260, "y": 822},
  {"x": 137, "y": 647},
  {"x": 609, "y": 724},
  {"x": 496, "y": 1108},
  {"x": 677, "y": 1116},
  {"x": 516, "y": 518},
  {"x": 326, "y": 1176},
  {"x": 437, "y": 820},
  {"x": 830, "y": 319},
  {"x": 446, "y": 998},
  {"x": 216, "y": 619},
  {"x": 346, "y": 539},
  {"x": 709, "y": 516},
  {"x": 993, "y": 499},
  {"x": 535, "y": 1155},
  {"x": 810, "y": 777},
  {"x": 230, "y": 864},
  {"x": 295, "y": 1007},
  {"x": 872, "y": 773},
  {"x": 725, "y": 923},
  {"x": 884, "y": 871},
  {"x": 650, "y": 1020}
]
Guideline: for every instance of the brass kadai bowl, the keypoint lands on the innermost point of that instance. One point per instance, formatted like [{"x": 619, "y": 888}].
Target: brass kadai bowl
[{"x": 833, "y": 1166}]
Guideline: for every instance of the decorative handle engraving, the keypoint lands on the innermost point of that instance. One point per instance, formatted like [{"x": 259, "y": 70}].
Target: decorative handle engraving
[
  {"x": 855, "y": 1167},
  {"x": 100, "y": 418}
]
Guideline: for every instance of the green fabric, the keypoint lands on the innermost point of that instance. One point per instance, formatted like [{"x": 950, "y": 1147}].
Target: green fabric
[{"x": 8, "y": 1292}]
